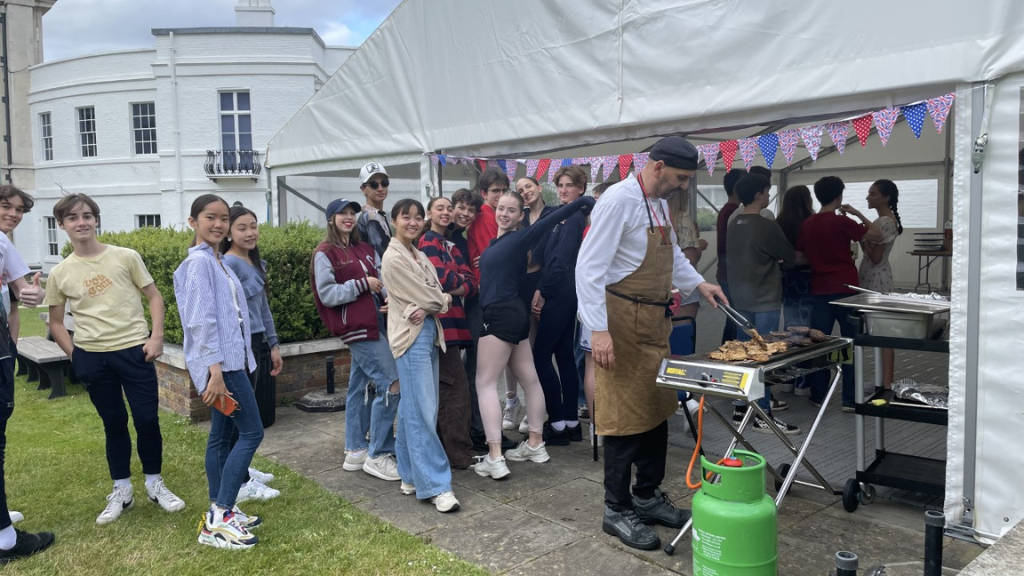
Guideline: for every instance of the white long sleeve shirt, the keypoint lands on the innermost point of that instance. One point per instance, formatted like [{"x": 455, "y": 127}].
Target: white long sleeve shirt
[{"x": 615, "y": 247}]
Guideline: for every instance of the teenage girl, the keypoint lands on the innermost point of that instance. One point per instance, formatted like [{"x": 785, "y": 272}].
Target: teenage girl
[
  {"x": 415, "y": 301},
  {"x": 875, "y": 272},
  {"x": 347, "y": 293},
  {"x": 217, "y": 345},
  {"x": 458, "y": 280},
  {"x": 797, "y": 305},
  {"x": 506, "y": 329},
  {"x": 243, "y": 257}
]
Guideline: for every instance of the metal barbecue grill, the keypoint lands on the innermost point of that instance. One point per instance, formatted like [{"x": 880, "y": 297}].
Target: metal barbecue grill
[{"x": 746, "y": 380}]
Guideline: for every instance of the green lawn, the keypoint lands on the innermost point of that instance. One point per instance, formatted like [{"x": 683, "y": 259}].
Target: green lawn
[{"x": 57, "y": 476}]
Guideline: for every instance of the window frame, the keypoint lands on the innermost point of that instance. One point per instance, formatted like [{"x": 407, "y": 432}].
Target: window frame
[
  {"x": 46, "y": 136},
  {"x": 141, "y": 139},
  {"x": 52, "y": 240},
  {"x": 84, "y": 145},
  {"x": 147, "y": 221}
]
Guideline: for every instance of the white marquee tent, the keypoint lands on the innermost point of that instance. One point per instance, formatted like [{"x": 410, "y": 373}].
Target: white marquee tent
[{"x": 535, "y": 78}]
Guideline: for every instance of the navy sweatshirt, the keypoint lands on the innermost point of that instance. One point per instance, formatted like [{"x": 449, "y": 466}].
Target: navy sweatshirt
[
  {"x": 557, "y": 257},
  {"x": 503, "y": 264}
]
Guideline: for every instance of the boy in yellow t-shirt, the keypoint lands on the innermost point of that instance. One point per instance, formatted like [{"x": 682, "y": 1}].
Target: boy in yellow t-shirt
[{"x": 113, "y": 349}]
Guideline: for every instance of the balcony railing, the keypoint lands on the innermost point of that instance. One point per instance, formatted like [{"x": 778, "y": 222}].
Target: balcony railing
[{"x": 232, "y": 164}]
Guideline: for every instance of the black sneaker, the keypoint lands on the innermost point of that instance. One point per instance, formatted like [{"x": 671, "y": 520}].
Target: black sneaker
[
  {"x": 26, "y": 545},
  {"x": 575, "y": 433},
  {"x": 629, "y": 529},
  {"x": 737, "y": 415},
  {"x": 659, "y": 510},
  {"x": 760, "y": 425},
  {"x": 508, "y": 443},
  {"x": 553, "y": 437},
  {"x": 479, "y": 441}
]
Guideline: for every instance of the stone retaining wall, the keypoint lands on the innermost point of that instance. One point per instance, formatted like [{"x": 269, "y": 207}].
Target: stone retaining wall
[{"x": 305, "y": 370}]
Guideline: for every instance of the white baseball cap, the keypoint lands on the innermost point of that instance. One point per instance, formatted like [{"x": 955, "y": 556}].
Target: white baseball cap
[{"x": 369, "y": 170}]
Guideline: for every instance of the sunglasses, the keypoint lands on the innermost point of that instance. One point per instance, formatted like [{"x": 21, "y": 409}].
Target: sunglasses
[{"x": 375, "y": 184}]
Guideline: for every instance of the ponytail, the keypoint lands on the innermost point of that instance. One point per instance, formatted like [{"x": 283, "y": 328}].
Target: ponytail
[{"x": 889, "y": 190}]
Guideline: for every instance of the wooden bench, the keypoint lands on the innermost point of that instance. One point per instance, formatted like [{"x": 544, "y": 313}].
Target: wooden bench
[{"x": 44, "y": 361}]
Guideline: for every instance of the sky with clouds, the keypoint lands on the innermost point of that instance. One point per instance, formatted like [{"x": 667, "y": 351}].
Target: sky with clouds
[{"x": 77, "y": 27}]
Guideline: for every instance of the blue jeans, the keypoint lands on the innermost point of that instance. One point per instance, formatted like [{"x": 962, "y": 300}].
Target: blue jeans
[
  {"x": 421, "y": 458},
  {"x": 226, "y": 467},
  {"x": 764, "y": 322},
  {"x": 824, "y": 316},
  {"x": 797, "y": 305},
  {"x": 369, "y": 407}
]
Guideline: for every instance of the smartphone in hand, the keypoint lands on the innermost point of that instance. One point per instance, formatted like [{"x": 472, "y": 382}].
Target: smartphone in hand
[{"x": 226, "y": 405}]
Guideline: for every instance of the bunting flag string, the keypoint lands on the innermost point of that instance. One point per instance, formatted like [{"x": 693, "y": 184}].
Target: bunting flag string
[
  {"x": 885, "y": 119},
  {"x": 788, "y": 140}
]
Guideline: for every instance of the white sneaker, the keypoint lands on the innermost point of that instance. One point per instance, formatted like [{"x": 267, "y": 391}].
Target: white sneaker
[
  {"x": 524, "y": 427},
  {"x": 245, "y": 520},
  {"x": 407, "y": 489},
  {"x": 15, "y": 516},
  {"x": 496, "y": 469},
  {"x": 354, "y": 460},
  {"x": 165, "y": 498},
  {"x": 256, "y": 490},
  {"x": 525, "y": 452},
  {"x": 121, "y": 499},
  {"x": 384, "y": 467},
  {"x": 226, "y": 533},
  {"x": 446, "y": 502},
  {"x": 261, "y": 477},
  {"x": 510, "y": 415}
]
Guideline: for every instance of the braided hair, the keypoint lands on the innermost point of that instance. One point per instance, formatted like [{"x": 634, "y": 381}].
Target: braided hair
[{"x": 888, "y": 189}]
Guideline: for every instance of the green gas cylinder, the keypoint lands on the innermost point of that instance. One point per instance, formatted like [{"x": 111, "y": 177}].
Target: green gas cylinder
[{"x": 735, "y": 530}]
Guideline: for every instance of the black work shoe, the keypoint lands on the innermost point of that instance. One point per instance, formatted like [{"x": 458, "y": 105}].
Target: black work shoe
[
  {"x": 26, "y": 545},
  {"x": 627, "y": 526},
  {"x": 508, "y": 443},
  {"x": 575, "y": 433},
  {"x": 553, "y": 437},
  {"x": 659, "y": 510}
]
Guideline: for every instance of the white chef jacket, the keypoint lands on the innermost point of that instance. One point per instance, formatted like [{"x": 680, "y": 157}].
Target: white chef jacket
[{"x": 615, "y": 247}]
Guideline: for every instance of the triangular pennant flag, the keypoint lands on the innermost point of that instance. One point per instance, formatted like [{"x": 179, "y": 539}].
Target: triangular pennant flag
[
  {"x": 862, "y": 126},
  {"x": 885, "y": 119},
  {"x": 553, "y": 168},
  {"x": 493, "y": 164},
  {"x": 710, "y": 152},
  {"x": 510, "y": 169},
  {"x": 442, "y": 159},
  {"x": 788, "y": 141},
  {"x": 769, "y": 145},
  {"x": 482, "y": 163},
  {"x": 839, "y": 132},
  {"x": 914, "y": 114},
  {"x": 531, "y": 166},
  {"x": 579, "y": 161},
  {"x": 542, "y": 168},
  {"x": 640, "y": 160},
  {"x": 595, "y": 165},
  {"x": 566, "y": 162},
  {"x": 748, "y": 149},
  {"x": 811, "y": 136},
  {"x": 610, "y": 162},
  {"x": 624, "y": 161},
  {"x": 939, "y": 109},
  {"x": 728, "y": 148}
]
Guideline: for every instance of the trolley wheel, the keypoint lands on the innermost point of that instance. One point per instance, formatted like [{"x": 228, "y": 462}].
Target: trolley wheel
[
  {"x": 867, "y": 494},
  {"x": 783, "y": 471},
  {"x": 851, "y": 498}
]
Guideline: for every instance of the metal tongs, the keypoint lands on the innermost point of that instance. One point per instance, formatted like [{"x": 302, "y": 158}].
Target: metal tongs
[{"x": 741, "y": 322}]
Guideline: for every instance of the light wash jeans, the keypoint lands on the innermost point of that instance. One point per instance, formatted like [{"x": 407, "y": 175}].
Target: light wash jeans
[
  {"x": 369, "y": 407},
  {"x": 764, "y": 322},
  {"x": 226, "y": 467},
  {"x": 421, "y": 458}
]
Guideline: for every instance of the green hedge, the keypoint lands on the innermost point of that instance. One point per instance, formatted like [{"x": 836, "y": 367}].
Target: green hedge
[{"x": 286, "y": 249}]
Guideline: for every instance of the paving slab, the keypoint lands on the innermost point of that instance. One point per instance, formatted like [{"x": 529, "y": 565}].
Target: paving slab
[
  {"x": 587, "y": 556},
  {"x": 526, "y": 478},
  {"x": 577, "y": 505},
  {"x": 419, "y": 516},
  {"x": 354, "y": 486}
]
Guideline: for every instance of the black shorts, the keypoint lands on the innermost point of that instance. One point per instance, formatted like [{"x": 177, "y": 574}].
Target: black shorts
[{"x": 509, "y": 321}]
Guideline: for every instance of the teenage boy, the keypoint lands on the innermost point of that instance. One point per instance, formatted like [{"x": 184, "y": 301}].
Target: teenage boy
[
  {"x": 493, "y": 183},
  {"x": 756, "y": 247},
  {"x": 721, "y": 226},
  {"x": 113, "y": 349},
  {"x": 373, "y": 220},
  {"x": 14, "y": 204}
]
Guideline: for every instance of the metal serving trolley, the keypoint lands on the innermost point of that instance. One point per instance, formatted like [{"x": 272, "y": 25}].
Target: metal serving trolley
[{"x": 746, "y": 380}]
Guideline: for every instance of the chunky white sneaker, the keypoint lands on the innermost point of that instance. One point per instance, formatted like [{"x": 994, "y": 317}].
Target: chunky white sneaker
[
  {"x": 15, "y": 516},
  {"x": 226, "y": 533},
  {"x": 510, "y": 415},
  {"x": 525, "y": 452},
  {"x": 384, "y": 467},
  {"x": 256, "y": 490},
  {"x": 407, "y": 489},
  {"x": 245, "y": 520},
  {"x": 524, "y": 427},
  {"x": 496, "y": 469},
  {"x": 121, "y": 499},
  {"x": 354, "y": 460},
  {"x": 446, "y": 502},
  {"x": 261, "y": 477},
  {"x": 165, "y": 498}
]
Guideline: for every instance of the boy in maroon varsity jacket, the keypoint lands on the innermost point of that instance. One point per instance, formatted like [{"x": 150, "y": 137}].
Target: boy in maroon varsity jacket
[
  {"x": 458, "y": 279},
  {"x": 348, "y": 292}
]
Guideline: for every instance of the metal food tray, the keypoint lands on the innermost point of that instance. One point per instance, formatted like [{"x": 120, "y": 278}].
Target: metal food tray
[{"x": 883, "y": 303}]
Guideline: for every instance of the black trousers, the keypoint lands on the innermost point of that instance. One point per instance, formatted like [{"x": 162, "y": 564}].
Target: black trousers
[
  {"x": 648, "y": 451},
  {"x": 475, "y": 317},
  {"x": 556, "y": 334},
  {"x": 6, "y": 409}
]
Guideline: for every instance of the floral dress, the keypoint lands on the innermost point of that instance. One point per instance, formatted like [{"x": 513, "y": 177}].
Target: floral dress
[{"x": 878, "y": 277}]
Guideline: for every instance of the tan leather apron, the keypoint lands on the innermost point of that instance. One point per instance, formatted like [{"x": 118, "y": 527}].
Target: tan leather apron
[{"x": 627, "y": 401}]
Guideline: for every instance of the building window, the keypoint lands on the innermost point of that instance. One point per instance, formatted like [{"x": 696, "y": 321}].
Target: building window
[
  {"x": 147, "y": 220},
  {"x": 52, "y": 247},
  {"x": 144, "y": 128},
  {"x": 46, "y": 136},
  {"x": 235, "y": 130},
  {"x": 87, "y": 131}
]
